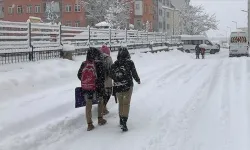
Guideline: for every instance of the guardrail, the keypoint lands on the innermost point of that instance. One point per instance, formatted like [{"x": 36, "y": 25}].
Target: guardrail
[{"x": 25, "y": 41}]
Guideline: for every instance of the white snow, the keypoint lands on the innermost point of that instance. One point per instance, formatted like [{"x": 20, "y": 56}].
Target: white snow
[
  {"x": 68, "y": 47},
  {"x": 181, "y": 104},
  {"x": 102, "y": 24}
]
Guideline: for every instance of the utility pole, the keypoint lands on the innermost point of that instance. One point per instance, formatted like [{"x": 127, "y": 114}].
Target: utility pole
[
  {"x": 173, "y": 21},
  {"x": 235, "y": 24}
]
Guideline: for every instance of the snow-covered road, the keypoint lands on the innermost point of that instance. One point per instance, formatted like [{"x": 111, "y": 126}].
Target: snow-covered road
[{"x": 182, "y": 104}]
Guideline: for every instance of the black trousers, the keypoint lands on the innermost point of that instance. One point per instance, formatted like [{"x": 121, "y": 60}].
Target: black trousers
[{"x": 197, "y": 56}]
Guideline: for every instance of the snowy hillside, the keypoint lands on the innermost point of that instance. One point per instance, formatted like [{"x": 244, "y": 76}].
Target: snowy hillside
[{"x": 182, "y": 104}]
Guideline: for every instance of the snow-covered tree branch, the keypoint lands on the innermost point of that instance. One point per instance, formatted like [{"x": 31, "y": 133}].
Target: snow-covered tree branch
[
  {"x": 118, "y": 13},
  {"x": 52, "y": 11},
  {"x": 196, "y": 21},
  {"x": 95, "y": 10}
]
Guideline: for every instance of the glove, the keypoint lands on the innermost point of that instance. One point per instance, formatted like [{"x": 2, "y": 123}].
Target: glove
[{"x": 139, "y": 82}]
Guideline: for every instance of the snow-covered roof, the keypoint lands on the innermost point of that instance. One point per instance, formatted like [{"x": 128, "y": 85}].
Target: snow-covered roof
[
  {"x": 102, "y": 24},
  {"x": 192, "y": 37}
]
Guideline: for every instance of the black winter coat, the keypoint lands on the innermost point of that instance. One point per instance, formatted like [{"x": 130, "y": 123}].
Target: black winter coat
[
  {"x": 123, "y": 59},
  {"x": 100, "y": 89},
  {"x": 197, "y": 50}
]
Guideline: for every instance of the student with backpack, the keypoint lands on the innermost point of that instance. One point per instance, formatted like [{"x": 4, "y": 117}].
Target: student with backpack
[
  {"x": 108, "y": 81},
  {"x": 91, "y": 75},
  {"x": 123, "y": 72}
]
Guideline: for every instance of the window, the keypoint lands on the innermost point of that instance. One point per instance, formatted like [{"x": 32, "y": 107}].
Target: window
[
  {"x": 168, "y": 26},
  {"x": 160, "y": 25},
  {"x": 192, "y": 42},
  {"x": 152, "y": 10},
  {"x": 137, "y": 6},
  {"x": 164, "y": 25},
  {"x": 19, "y": 9},
  {"x": 77, "y": 23},
  {"x": 160, "y": 12},
  {"x": 145, "y": 8},
  {"x": 29, "y": 9},
  {"x": 68, "y": 23},
  {"x": 138, "y": 22},
  {"x": 208, "y": 42},
  {"x": 68, "y": 8},
  {"x": 77, "y": 8},
  {"x": 10, "y": 10},
  {"x": 168, "y": 3},
  {"x": 37, "y": 9},
  {"x": 168, "y": 15}
]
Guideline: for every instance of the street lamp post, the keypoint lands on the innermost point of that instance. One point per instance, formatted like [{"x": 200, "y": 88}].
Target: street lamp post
[
  {"x": 226, "y": 35},
  {"x": 235, "y": 23},
  {"x": 230, "y": 29}
]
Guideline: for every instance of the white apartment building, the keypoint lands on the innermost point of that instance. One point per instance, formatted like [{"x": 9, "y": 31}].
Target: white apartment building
[{"x": 171, "y": 15}]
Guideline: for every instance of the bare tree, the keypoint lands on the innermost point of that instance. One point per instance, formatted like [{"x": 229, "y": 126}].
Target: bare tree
[{"x": 195, "y": 20}]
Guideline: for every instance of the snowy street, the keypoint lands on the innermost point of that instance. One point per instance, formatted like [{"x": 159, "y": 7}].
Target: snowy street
[{"x": 181, "y": 104}]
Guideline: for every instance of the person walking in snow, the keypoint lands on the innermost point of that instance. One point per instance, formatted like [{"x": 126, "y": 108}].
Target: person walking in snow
[
  {"x": 108, "y": 81},
  {"x": 92, "y": 77},
  {"x": 203, "y": 50},
  {"x": 123, "y": 72},
  {"x": 197, "y": 51}
]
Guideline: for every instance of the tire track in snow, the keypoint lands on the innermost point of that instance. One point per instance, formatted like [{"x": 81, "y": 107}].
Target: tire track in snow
[
  {"x": 175, "y": 125},
  {"x": 224, "y": 115},
  {"x": 240, "y": 110}
]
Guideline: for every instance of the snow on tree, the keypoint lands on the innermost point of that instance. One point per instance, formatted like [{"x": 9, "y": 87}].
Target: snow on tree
[
  {"x": 51, "y": 11},
  {"x": 95, "y": 10},
  {"x": 118, "y": 13},
  {"x": 147, "y": 26},
  {"x": 196, "y": 21}
]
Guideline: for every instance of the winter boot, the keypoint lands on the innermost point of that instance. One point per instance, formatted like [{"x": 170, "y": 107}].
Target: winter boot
[
  {"x": 101, "y": 121},
  {"x": 120, "y": 121},
  {"x": 90, "y": 127},
  {"x": 124, "y": 124}
]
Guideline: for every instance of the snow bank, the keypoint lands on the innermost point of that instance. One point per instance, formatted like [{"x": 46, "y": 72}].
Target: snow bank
[
  {"x": 29, "y": 76},
  {"x": 68, "y": 47},
  {"x": 17, "y": 79}
]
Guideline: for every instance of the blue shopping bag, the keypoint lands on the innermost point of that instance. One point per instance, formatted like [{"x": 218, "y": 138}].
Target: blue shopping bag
[{"x": 79, "y": 98}]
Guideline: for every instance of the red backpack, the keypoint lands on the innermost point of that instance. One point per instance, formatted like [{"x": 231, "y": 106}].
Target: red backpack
[{"x": 88, "y": 80}]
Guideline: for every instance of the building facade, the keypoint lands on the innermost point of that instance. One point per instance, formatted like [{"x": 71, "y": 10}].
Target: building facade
[
  {"x": 172, "y": 10},
  {"x": 1, "y": 10},
  {"x": 145, "y": 11},
  {"x": 65, "y": 11}
]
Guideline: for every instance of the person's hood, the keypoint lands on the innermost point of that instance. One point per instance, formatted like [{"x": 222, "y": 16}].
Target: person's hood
[
  {"x": 123, "y": 54},
  {"x": 93, "y": 54},
  {"x": 105, "y": 50}
]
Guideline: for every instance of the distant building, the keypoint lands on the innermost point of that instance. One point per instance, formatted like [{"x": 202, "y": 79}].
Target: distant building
[
  {"x": 65, "y": 11},
  {"x": 145, "y": 10},
  {"x": 172, "y": 15}
]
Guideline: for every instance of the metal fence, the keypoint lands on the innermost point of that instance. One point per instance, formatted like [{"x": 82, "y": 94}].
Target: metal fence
[{"x": 25, "y": 41}]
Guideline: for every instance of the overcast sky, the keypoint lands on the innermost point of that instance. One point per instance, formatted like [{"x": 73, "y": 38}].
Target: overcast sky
[{"x": 226, "y": 11}]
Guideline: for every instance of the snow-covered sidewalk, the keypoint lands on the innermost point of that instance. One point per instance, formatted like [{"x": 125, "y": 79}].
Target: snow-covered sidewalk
[{"x": 182, "y": 103}]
